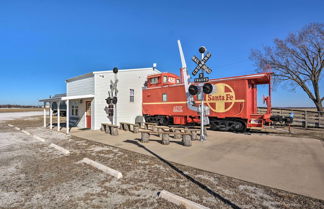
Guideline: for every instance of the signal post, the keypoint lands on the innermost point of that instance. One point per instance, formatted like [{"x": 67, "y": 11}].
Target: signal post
[{"x": 203, "y": 88}]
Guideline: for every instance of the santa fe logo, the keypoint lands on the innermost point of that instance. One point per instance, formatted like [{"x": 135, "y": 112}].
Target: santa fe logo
[{"x": 223, "y": 99}]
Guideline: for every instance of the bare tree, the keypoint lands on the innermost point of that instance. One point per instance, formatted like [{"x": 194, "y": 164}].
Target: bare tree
[{"x": 299, "y": 59}]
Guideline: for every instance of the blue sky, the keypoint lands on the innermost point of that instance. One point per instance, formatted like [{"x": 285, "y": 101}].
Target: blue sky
[{"x": 45, "y": 42}]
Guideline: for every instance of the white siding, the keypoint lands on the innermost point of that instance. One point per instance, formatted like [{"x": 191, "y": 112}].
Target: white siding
[
  {"x": 81, "y": 86},
  {"x": 126, "y": 110},
  {"x": 80, "y": 118},
  {"x": 76, "y": 87}
]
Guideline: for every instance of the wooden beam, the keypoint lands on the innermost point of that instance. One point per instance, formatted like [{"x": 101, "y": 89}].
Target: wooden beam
[{"x": 67, "y": 116}]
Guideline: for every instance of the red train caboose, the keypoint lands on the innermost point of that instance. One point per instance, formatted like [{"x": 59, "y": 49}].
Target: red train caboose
[{"x": 233, "y": 104}]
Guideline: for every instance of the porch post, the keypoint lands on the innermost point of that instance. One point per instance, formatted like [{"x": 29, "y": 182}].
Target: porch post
[
  {"x": 44, "y": 114},
  {"x": 67, "y": 116},
  {"x": 58, "y": 115},
  {"x": 51, "y": 116}
]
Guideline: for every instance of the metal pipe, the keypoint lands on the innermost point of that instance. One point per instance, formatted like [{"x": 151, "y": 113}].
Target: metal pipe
[
  {"x": 115, "y": 105},
  {"x": 202, "y": 135},
  {"x": 186, "y": 79}
]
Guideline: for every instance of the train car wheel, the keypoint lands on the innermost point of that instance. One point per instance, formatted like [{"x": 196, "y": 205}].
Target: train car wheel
[
  {"x": 164, "y": 121},
  {"x": 239, "y": 126}
]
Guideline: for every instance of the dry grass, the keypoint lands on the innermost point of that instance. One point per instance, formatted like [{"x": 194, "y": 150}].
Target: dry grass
[
  {"x": 20, "y": 109},
  {"x": 36, "y": 176}
]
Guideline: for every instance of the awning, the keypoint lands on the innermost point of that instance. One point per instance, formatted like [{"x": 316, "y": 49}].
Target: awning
[{"x": 55, "y": 98}]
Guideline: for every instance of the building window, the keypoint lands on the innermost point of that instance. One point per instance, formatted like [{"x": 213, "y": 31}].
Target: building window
[
  {"x": 75, "y": 110},
  {"x": 131, "y": 95},
  {"x": 165, "y": 79},
  {"x": 154, "y": 80},
  {"x": 164, "y": 97}
]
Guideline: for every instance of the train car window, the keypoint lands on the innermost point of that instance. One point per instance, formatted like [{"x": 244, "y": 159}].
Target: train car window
[
  {"x": 165, "y": 79},
  {"x": 131, "y": 95},
  {"x": 154, "y": 80},
  {"x": 172, "y": 80},
  {"x": 164, "y": 97}
]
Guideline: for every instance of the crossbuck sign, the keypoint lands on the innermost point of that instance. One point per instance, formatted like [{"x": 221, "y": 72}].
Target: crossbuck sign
[{"x": 201, "y": 64}]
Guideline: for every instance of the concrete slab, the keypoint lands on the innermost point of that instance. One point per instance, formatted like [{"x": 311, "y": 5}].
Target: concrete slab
[{"x": 288, "y": 163}]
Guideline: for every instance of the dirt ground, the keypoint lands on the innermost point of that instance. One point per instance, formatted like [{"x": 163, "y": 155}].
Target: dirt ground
[
  {"x": 317, "y": 133},
  {"x": 34, "y": 175}
]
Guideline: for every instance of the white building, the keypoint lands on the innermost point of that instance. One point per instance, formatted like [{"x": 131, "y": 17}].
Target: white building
[{"x": 86, "y": 94}]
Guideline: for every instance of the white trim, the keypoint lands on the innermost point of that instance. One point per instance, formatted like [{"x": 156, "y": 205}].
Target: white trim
[
  {"x": 78, "y": 97},
  {"x": 126, "y": 70}
]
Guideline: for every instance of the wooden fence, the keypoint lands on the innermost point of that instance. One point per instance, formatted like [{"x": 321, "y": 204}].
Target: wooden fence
[{"x": 304, "y": 118}]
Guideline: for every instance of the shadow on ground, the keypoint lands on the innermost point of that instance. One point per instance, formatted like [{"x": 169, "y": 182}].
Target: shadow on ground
[{"x": 202, "y": 186}]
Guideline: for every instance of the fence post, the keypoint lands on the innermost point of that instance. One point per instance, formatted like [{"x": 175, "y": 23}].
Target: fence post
[
  {"x": 319, "y": 119},
  {"x": 306, "y": 119}
]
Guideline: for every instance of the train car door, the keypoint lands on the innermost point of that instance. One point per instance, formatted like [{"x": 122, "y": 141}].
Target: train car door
[{"x": 88, "y": 114}]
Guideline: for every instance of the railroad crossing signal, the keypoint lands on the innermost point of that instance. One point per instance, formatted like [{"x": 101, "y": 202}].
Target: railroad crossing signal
[
  {"x": 201, "y": 64},
  {"x": 201, "y": 78}
]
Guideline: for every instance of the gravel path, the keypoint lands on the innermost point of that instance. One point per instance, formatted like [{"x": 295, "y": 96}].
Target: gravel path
[{"x": 34, "y": 175}]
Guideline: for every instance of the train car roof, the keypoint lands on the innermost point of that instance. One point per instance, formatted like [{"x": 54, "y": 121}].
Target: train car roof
[
  {"x": 258, "y": 78},
  {"x": 162, "y": 73}
]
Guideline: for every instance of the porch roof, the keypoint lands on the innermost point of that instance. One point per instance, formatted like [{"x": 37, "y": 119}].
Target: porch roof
[
  {"x": 78, "y": 97},
  {"x": 55, "y": 98}
]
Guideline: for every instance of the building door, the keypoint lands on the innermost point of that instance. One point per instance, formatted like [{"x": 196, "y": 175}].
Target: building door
[{"x": 88, "y": 114}]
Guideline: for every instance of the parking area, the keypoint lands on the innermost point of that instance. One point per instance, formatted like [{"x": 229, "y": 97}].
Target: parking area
[
  {"x": 289, "y": 163},
  {"x": 34, "y": 174}
]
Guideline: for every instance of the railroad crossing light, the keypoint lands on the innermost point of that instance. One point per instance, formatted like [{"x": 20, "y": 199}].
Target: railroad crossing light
[
  {"x": 114, "y": 100},
  {"x": 108, "y": 100},
  {"x": 207, "y": 88},
  {"x": 202, "y": 49},
  {"x": 193, "y": 90}
]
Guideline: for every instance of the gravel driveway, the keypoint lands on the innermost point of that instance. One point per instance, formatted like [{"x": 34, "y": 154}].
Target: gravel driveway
[{"x": 34, "y": 175}]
